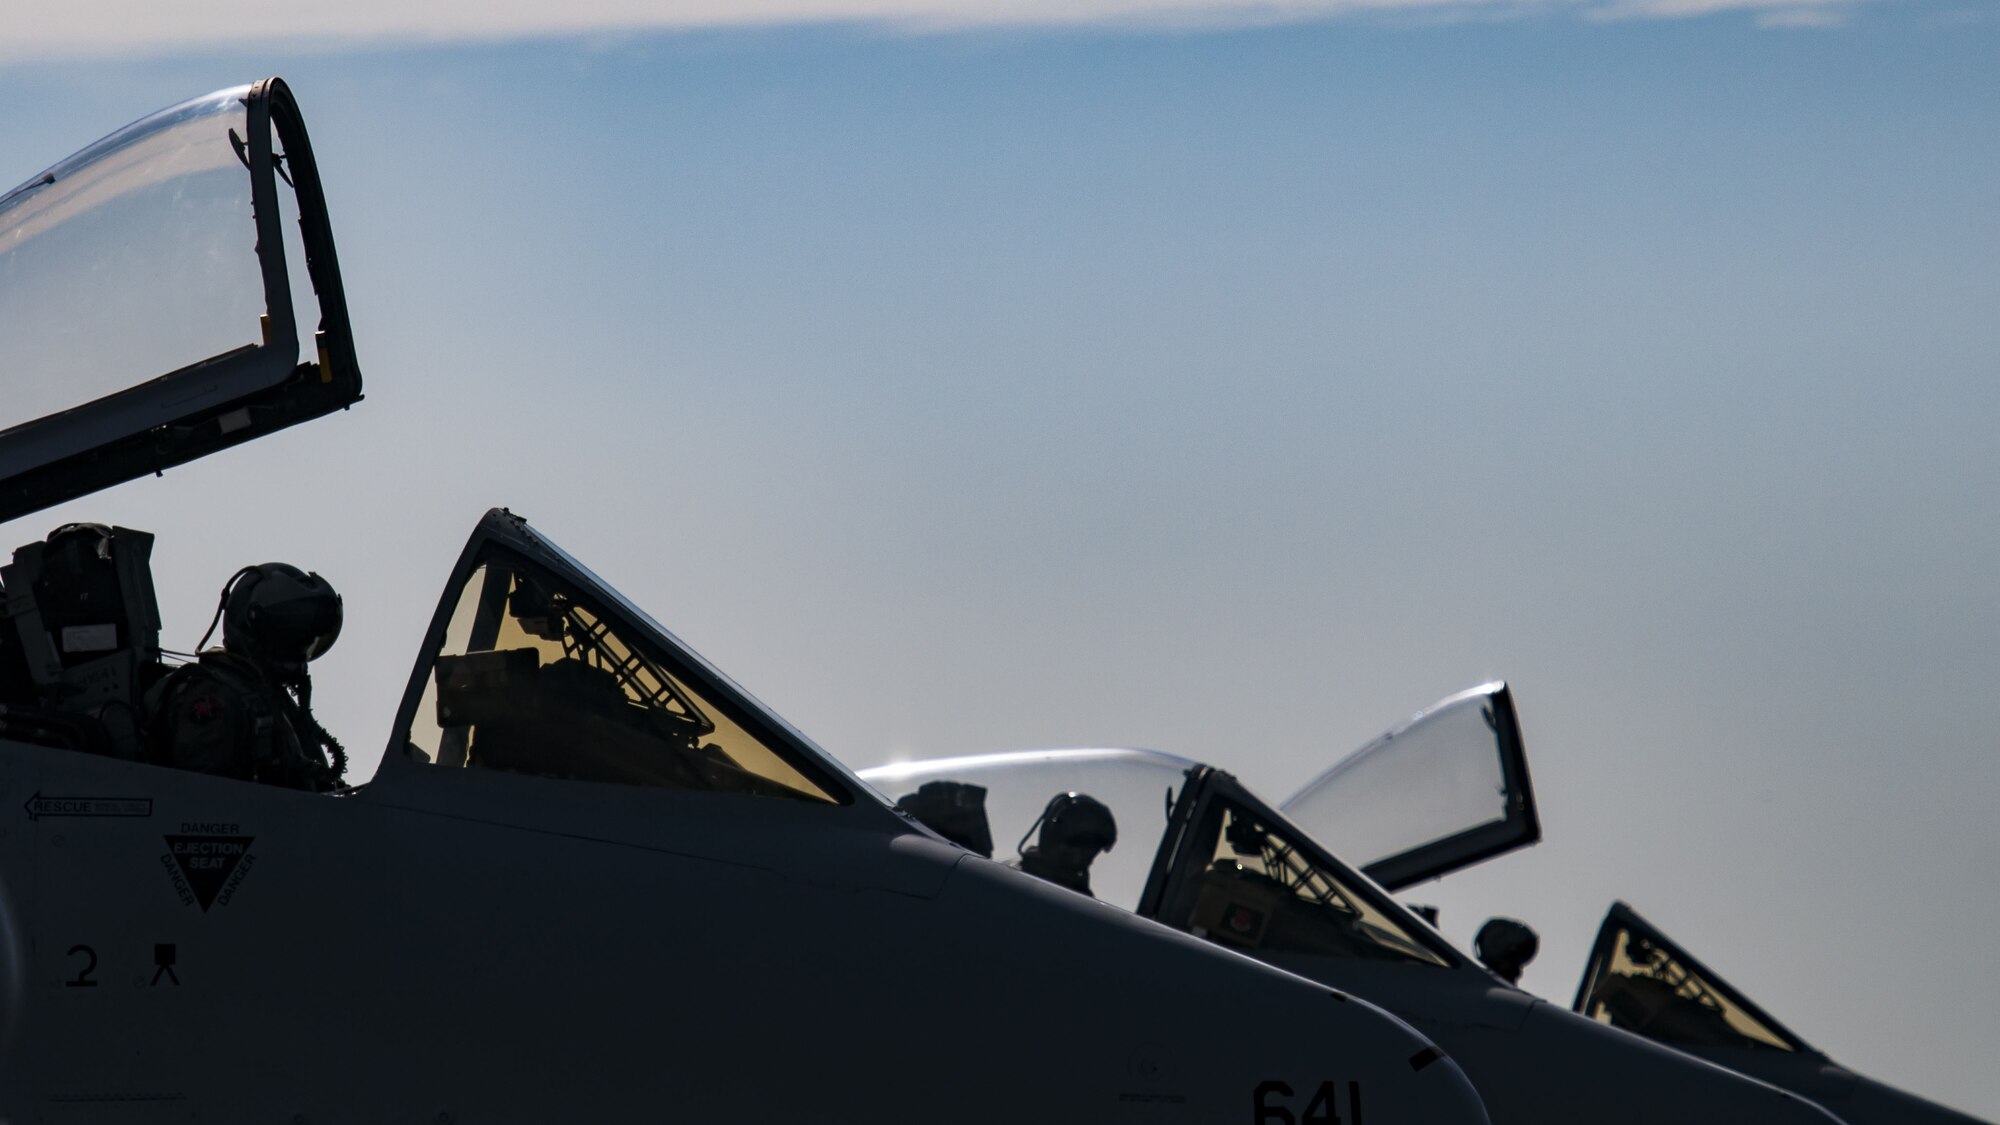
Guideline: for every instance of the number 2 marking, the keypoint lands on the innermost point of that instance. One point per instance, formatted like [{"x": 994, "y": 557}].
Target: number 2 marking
[{"x": 83, "y": 976}]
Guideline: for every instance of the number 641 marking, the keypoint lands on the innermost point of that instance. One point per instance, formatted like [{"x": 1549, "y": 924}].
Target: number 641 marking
[{"x": 1271, "y": 1109}]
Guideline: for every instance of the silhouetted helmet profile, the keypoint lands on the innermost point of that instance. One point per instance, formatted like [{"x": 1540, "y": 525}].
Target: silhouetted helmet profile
[
  {"x": 1506, "y": 945},
  {"x": 1075, "y": 827},
  {"x": 1079, "y": 824},
  {"x": 279, "y": 613}
]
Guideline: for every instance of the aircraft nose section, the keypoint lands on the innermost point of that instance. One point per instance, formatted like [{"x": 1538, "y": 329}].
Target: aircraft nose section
[
  {"x": 1872, "y": 1102},
  {"x": 1436, "y": 1089},
  {"x": 1339, "y": 1058},
  {"x": 1325, "y": 1055},
  {"x": 1159, "y": 1026},
  {"x": 1611, "y": 1075}
]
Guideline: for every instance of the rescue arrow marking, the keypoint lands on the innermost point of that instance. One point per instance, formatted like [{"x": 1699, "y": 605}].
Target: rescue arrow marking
[{"x": 39, "y": 806}]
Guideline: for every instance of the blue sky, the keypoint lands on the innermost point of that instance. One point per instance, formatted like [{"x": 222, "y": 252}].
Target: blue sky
[{"x": 1233, "y": 390}]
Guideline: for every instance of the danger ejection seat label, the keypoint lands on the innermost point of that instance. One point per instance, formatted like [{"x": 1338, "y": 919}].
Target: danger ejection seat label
[{"x": 207, "y": 869}]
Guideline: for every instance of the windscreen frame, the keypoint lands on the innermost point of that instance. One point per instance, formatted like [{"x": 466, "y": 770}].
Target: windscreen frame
[
  {"x": 1220, "y": 789},
  {"x": 1622, "y": 916},
  {"x": 503, "y": 535}
]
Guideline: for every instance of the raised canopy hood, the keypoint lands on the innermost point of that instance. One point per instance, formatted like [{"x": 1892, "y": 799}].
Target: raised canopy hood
[
  {"x": 152, "y": 289},
  {"x": 1443, "y": 791}
]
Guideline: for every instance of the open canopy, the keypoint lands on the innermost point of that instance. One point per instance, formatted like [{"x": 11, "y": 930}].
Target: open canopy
[
  {"x": 166, "y": 292},
  {"x": 1443, "y": 791}
]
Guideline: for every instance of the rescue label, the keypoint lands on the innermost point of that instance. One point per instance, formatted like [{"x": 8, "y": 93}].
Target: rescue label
[
  {"x": 207, "y": 869},
  {"x": 39, "y": 806}
]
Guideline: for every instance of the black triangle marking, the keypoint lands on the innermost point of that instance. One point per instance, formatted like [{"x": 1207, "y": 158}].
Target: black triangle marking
[{"x": 207, "y": 862}]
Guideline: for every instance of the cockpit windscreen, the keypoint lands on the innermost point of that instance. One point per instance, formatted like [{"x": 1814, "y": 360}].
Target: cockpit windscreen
[
  {"x": 536, "y": 678},
  {"x": 1261, "y": 888},
  {"x": 1637, "y": 982}
]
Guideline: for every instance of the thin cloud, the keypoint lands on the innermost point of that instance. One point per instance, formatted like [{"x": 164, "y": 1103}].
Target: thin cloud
[
  {"x": 1803, "y": 17},
  {"x": 54, "y": 29},
  {"x": 1769, "y": 13}
]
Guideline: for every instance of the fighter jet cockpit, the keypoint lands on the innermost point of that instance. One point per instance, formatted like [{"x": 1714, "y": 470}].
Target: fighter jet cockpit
[
  {"x": 1264, "y": 888},
  {"x": 165, "y": 293},
  {"x": 1008, "y": 801},
  {"x": 535, "y": 675},
  {"x": 1637, "y": 981},
  {"x": 1198, "y": 855},
  {"x": 82, "y": 668},
  {"x": 1640, "y": 980},
  {"x": 1445, "y": 789}
]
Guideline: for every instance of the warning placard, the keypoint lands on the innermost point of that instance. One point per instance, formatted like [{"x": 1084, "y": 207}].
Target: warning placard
[{"x": 208, "y": 869}]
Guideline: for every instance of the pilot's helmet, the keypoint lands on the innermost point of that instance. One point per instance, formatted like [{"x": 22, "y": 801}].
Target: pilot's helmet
[
  {"x": 279, "y": 613},
  {"x": 1079, "y": 823}
]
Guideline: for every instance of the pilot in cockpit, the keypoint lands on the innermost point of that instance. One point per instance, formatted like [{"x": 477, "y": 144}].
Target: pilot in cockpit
[
  {"x": 1075, "y": 829},
  {"x": 245, "y": 710},
  {"x": 81, "y": 665}
]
